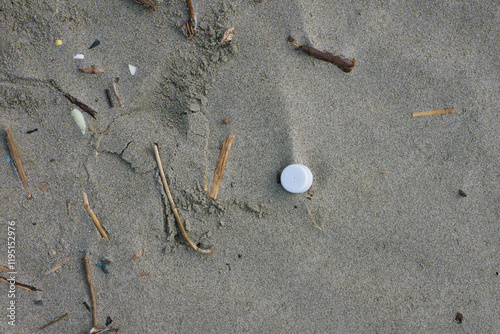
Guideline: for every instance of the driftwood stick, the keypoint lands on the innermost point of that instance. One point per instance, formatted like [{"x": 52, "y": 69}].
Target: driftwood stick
[
  {"x": 174, "y": 207},
  {"x": 110, "y": 100},
  {"x": 92, "y": 70},
  {"x": 17, "y": 160},
  {"x": 54, "y": 321},
  {"x": 74, "y": 100},
  {"x": 4, "y": 268},
  {"x": 345, "y": 64},
  {"x": 91, "y": 290},
  {"x": 220, "y": 167},
  {"x": 92, "y": 215},
  {"x": 434, "y": 112}
]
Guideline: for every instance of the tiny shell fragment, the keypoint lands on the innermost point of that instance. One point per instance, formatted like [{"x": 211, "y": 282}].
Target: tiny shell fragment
[
  {"x": 43, "y": 187},
  {"x": 79, "y": 120},
  {"x": 228, "y": 37},
  {"x": 79, "y": 56}
]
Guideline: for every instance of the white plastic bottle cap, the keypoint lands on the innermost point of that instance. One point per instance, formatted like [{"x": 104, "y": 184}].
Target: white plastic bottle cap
[{"x": 296, "y": 178}]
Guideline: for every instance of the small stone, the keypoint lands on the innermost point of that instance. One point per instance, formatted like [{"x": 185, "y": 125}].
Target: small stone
[
  {"x": 91, "y": 128},
  {"x": 226, "y": 121}
]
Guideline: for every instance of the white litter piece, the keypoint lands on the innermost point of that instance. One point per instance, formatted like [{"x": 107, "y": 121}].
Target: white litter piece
[
  {"x": 132, "y": 69},
  {"x": 79, "y": 120},
  {"x": 79, "y": 56},
  {"x": 296, "y": 178}
]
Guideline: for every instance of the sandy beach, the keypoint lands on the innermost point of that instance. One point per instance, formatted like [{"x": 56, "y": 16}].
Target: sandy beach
[{"x": 399, "y": 233}]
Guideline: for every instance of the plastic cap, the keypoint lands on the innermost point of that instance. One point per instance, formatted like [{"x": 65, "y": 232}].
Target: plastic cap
[{"x": 296, "y": 178}]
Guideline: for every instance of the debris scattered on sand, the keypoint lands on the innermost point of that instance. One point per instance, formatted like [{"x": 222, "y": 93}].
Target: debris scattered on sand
[
  {"x": 17, "y": 160},
  {"x": 345, "y": 64},
  {"x": 94, "y": 44},
  {"x": 220, "y": 167},
  {"x": 434, "y": 112},
  {"x": 132, "y": 69},
  {"x": 92, "y": 70},
  {"x": 54, "y": 321},
  {"x": 79, "y": 56},
  {"x": 79, "y": 120},
  {"x": 92, "y": 215},
  {"x": 147, "y": 3},
  {"x": 228, "y": 37},
  {"x": 174, "y": 207}
]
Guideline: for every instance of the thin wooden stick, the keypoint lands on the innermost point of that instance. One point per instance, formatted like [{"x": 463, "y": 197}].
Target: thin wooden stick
[
  {"x": 434, "y": 112},
  {"x": 57, "y": 266},
  {"x": 4, "y": 268},
  {"x": 92, "y": 215},
  {"x": 345, "y": 64},
  {"x": 173, "y": 206},
  {"x": 18, "y": 161},
  {"x": 21, "y": 285},
  {"x": 118, "y": 95},
  {"x": 54, "y": 321},
  {"x": 91, "y": 290},
  {"x": 74, "y": 100},
  {"x": 220, "y": 167}
]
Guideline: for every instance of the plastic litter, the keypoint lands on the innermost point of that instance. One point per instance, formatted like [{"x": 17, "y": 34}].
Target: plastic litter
[
  {"x": 296, "y": 178},
  {"x": 79, "y": 56},
  {"x": 132, "y": 69},
  {"x": 96, "y": 43}
]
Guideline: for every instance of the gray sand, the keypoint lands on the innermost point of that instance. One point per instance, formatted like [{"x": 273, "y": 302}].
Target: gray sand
[{"x": 397, "y": 252}]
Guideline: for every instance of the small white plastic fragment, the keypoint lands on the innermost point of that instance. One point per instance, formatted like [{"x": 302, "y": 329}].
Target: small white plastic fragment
[
  {"x": 79, "y": 56},
  {"x": 132, "y": 69},
  {"x": 79, "y": 120}
]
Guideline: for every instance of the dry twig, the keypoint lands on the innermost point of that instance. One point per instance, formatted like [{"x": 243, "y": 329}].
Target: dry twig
[
  {"x": 18, "y": 161},
  {"x": 91, "y": 290},
  {"x": 173, "y": 206},
  {"x": 54, "y": 321},
  {"x": 21, "y": 285},
  {"x": 220, "y": 167},
  {"x": 74, "y": 100},
  {"x": 110, "y": 100},
  {"x": 92, "y": 215},
  {"x": 345, "y": 64},
  {"x": 4, "y": 268}
]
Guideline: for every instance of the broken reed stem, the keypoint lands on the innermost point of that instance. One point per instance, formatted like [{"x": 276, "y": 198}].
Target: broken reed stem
[
  {"x": 220, "y": 167},
  {"x": 174, "y": 207},
  {"x": 92, "y": 215},
  {"x": 434, "y": 112},
  {"x": 54, "y": 321},
  {"x": 17, "y": 160},
  {"x": 147, "y": 3},
  {"x": 345, "y": 64},
  {"x": 91, "y": 290},
  {"x": 57, "y": 266},
  {"x": 4, "y": 268},
  {"x": 21, "y": 285},
  {"x": 118, "y": 95}
]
